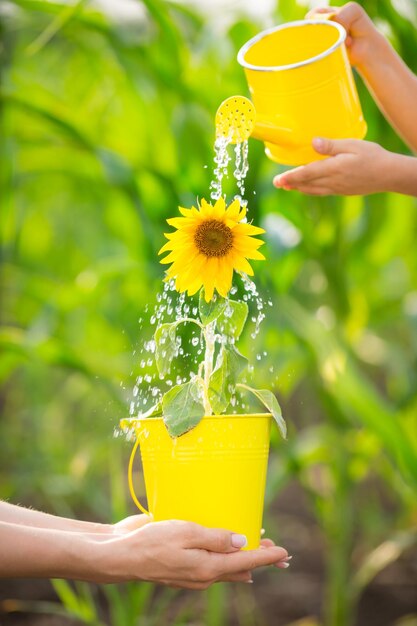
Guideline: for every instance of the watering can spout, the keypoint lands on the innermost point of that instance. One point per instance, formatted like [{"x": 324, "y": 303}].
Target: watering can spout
[
  {"x": 236, "y": 120},
  {"x": 271, "y": 133}
]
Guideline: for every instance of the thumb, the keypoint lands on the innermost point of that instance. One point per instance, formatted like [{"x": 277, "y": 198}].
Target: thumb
[
  {"x": 319, "y": 10},
  {"x": 216, "y": 540},
  {"x": 131, "y": 523},
  {"x": 333, "y": 146}
]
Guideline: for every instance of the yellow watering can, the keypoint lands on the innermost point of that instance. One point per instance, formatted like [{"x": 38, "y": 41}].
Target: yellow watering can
[{"x": 301, "y": 85}]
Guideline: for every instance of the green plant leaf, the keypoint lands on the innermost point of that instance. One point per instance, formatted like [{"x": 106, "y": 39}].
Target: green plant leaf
[
  {"x": 209, "y": 311},
  {"x": 165, "y": 346},
  {"x": 183, "y": 407},
  {"x": 232, "y": 319},
  {"x": 224, "y": 378},
  {"x": 166, "y": 343},
  {"x": 269, "y": 400}
]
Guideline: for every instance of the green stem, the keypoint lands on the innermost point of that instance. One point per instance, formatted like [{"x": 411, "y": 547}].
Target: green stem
[{"x": 208, "y": 363}]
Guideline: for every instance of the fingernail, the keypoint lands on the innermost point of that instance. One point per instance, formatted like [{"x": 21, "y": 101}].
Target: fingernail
[
  {"x": 288, "y": 558},
  {"x": 277, "y": 181},
  {"x": 249, "y": 582},
  {"x": 239, "y": 541},
  {"x": 262, "y": 532},
  {"x": 282, "y": 565},
  {"x": 318, "y": 143}
]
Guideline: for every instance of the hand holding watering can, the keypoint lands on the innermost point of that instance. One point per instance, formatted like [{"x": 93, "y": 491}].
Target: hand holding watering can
[{"x": 301, "y": 85}]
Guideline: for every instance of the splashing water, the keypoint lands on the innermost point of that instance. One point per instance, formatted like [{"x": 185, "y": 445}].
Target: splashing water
[
  {"x": 222, "y": 159},
  {"x": 149, "y": 385},
  {"x": 241, "y": 166},
  {"x": 171, "y": 306}
]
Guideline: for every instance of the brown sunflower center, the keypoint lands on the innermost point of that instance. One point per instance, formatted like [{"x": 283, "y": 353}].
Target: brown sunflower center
[{"x": 213, "y": 238}]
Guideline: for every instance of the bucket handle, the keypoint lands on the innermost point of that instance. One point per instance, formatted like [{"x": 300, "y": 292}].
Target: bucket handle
[{"x": 130, "y": 478}]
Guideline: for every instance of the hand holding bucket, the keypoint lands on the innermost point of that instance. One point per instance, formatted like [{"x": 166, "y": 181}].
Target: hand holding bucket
[{"x": 301, "y": 85}]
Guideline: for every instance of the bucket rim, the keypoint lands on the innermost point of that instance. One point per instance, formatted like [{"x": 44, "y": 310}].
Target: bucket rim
[
  {"x": 132, "y": 421},
  {"x": 269, "y": 31}
]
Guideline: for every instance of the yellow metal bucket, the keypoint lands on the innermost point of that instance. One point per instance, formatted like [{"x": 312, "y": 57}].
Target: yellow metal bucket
[
  {"x": 213, "y": 475},
  {"x": 302, "y": 86}
]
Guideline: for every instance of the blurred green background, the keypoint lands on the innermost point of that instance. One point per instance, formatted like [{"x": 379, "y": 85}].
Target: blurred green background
[{"x": 107, "y": 123}]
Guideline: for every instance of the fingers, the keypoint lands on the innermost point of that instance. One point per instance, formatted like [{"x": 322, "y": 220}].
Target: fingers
[
  {"x": 214, "y": 539},
  {"x": 301, "y": 175},
  {"x": 314, "y": 12},
  {"x": 345, "y": 15},
  {"x": 284, "y": 563},
  {"x": 332, "y": 147},
  {"x": 350, "y": 13},
  {"x": 315, "y": 190},
  {"x": 314, "y": 177},
  {"x": 249, "y": 560},
  {"x": 240, "y": 577}
]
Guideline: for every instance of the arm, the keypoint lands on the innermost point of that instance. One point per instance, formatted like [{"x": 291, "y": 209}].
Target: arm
[
  {"x": 391, "y": 82},
  {"x": 179, "y": 554},
  {"x": 394, "y": 88},
  {"x": 36, "y": 552},
  {"x": 29, "y": 517}
]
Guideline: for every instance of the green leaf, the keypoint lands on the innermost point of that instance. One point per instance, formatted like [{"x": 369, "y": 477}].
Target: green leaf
[
  {"x": 183, "y": 407},
  {"x": 232, "y": 319},
  {"x": 166, "y": 346},
  {"x": 166, "y": 343},
  {"x": 271, "y": 403},
  {"x": 209, "y": 311},
  {"x": 224, "y": 378}
]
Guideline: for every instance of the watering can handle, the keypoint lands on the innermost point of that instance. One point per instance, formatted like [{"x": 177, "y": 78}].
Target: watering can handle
[{"x": 130, "y": 478}]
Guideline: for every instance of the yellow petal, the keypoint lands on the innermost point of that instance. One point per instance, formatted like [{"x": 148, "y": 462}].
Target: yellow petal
[
  {"x": 247, "y": 229},
  {"x": 255, "y": 254},
  {"x": 209, "y": 277},
  {"x": 194, "y": 271},
  {"x": 194, "y": 287},
  {"x": 241, "y": 265},
  {"x": 205, "y": 208},
  {"x": 242, "y": 242},
  {"x": 185, "y": 254},
  {"x": 186, "y": 212},
  {"x": 208, "y": 292},
  {"x": 224, "y": 277},
  {"x": 178, "y": 288},
  {"x": 181, "y": 222},
  {"x": 168, "y": 246},
  {"x": 233, "y": 210},
  {"x": 219, "y": 208},
  {"x": 242, "y": 213}
]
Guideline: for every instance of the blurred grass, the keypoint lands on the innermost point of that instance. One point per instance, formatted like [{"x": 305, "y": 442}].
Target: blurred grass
[{"x": 106, "y": 126}]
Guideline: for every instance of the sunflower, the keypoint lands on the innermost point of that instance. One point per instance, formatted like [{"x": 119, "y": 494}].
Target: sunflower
[{"x": 209, "y": 243}]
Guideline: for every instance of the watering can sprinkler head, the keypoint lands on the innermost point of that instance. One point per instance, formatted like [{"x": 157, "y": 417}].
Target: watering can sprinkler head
[{"x": 236, "y": 120}]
